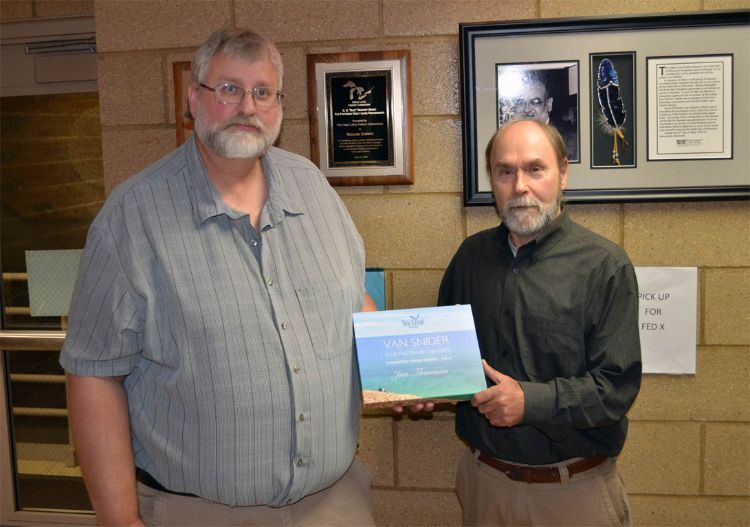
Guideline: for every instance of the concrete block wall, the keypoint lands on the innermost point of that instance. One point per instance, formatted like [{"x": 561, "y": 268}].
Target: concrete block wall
[
  {"x": 11, "y": 10},
  {"x": 687, "y": 459}
]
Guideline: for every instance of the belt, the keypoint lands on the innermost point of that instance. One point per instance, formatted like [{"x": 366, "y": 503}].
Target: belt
[
  {"x": 148, "y": 480},
  {"x": 540, "y": 474}
]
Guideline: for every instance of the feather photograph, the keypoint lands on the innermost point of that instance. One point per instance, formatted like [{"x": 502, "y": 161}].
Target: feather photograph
[{"x": 613, "y": 141}]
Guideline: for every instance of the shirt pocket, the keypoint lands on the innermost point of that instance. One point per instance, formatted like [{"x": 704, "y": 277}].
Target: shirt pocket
[
  {"x": 327, "y": 311},
  {"x": 551, "y": 348}
]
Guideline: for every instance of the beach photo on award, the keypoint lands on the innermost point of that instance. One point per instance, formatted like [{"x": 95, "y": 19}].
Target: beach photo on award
[{"x": 408, "y": 355}]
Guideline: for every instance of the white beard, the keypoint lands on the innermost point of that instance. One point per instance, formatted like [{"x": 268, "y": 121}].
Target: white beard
[
  {"x": 530, "y": 221},
  {"x": 234, "y": 143}
]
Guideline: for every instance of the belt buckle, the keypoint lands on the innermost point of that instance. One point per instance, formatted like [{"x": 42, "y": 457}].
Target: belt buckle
[{"x": 516, "y": 473}]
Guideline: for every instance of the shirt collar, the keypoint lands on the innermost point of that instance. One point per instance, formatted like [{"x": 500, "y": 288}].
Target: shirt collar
[
  {"x": 280, "y": 201},
  {"x": 208, "y": 204}
]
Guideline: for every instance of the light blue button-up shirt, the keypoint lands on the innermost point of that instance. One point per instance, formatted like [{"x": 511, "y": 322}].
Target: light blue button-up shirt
[{"x": 237, "y": 344}]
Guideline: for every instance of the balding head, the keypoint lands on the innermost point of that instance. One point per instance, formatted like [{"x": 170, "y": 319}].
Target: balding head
[{"x": 554, "y": 137}]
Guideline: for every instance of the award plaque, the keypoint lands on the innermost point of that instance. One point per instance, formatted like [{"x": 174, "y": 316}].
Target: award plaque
[
  {"x": 411, "y": 355},
  {"x": 360, "y": 117}
]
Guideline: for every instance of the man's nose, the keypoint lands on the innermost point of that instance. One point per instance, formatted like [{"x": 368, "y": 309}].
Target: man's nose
[
  {"x": 519, "y": 185},
  {"x": 247, "y": 104}
]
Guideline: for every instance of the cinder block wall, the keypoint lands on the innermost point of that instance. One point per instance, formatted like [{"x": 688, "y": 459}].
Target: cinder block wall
[{"x": 687, "y": 459}]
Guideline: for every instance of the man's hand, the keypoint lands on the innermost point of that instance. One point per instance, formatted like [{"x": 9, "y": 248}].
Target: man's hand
[
  {"x": 369, "y": 304},
  {"x": 415, "y": 408},
  {"x": 502, "y": 404}
]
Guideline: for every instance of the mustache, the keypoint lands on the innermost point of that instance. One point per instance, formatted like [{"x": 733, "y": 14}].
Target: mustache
[
  {"x": 245, "y": 121},
  {"x": 528, "y": 201}
]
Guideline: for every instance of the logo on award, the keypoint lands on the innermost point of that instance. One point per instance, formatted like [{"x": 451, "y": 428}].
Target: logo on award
[
  {"x": 357, "y": 93},
  {"x": 413, "y": 321}
]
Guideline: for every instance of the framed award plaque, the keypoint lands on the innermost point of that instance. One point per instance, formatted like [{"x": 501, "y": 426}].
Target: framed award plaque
[{"x": 360, "y": 117}]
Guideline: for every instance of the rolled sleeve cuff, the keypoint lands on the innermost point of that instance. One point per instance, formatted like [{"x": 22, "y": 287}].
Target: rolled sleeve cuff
[{"x": 97, "y": 368}]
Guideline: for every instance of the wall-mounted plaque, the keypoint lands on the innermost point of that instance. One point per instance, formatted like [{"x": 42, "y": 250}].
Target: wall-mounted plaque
[
  {"x": 183, "y": 124},
  {"x": 360, "y": 117}
]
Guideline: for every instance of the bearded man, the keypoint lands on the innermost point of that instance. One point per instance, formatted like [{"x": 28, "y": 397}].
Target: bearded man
[
  {"x": 211, "y": 375},
  {"x": 556, "y": 313}
]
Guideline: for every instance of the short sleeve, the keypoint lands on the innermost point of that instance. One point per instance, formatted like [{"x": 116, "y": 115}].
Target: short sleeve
[{"x": 104, "y": 324}]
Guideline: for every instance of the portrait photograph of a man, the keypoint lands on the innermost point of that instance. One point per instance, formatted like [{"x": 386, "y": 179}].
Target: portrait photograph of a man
[{"x": 547, "y": 92}]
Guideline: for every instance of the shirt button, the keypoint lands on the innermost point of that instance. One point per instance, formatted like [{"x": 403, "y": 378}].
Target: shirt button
[
  {"x": 506, "y": 311},
  {"x": 296, "y": 369},
  {"x": 254, "y": 243},
  {"x": 270, "y": 282},
  {"x": 284, "y": 325},
  {"x": 515, "y": 270},
  {"x": 300, "y": 462},
  {"x": 301, "y": 417},
  {"x": 505, "y": 353}
]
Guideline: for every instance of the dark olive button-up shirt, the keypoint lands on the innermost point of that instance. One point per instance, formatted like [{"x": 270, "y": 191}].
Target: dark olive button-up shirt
[{"x": 561, "y": 318}]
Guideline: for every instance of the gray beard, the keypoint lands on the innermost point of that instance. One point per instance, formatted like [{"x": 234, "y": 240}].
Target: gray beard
[
  {"x": 239, "y": 145},
  {"x": 528, "y": 222},
  {"x": 234, "y": 145}
]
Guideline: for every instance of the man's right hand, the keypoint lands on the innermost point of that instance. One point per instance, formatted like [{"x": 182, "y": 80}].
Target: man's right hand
[{"x": 502, "y": 404}]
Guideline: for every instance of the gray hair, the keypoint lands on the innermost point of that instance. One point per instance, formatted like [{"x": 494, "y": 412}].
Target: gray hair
[{"x": 239, "y": 43}]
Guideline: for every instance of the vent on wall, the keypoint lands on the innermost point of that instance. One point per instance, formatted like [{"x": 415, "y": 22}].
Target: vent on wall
[{"x": 46, "y": 56}]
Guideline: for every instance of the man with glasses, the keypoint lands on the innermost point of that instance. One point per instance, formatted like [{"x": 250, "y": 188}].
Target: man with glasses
[
  {"x": 212, "y": 379},
  {"x": 536, "y": 102}
]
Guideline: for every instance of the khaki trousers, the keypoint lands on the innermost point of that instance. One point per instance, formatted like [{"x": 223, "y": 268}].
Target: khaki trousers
[
  {"x": 347, "y": 504},
  {"x": 592, "y": 498}
]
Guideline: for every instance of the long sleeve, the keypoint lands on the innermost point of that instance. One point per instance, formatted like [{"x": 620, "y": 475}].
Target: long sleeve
[{"x": 611, "y": 382}]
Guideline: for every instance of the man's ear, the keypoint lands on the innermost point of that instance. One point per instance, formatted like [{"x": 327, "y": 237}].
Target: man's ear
[
  {"x": 564, "y": 175},
  {"x": 192, "y": 98},
  {"x": 549, "y": 104}
]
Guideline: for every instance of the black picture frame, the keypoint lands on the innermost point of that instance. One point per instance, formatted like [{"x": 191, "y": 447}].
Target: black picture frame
[{"x": 484, "y": 46}]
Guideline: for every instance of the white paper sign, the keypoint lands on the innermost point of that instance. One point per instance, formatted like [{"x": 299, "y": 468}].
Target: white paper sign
[{"x": 666, "y": 317}]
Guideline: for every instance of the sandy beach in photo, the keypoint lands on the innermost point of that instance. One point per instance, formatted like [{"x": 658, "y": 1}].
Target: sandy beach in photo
[{"x": 378, "y": 399}]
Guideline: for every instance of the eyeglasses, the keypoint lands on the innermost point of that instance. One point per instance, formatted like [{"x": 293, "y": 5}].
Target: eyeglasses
[
  {"x": 536, "y": 102},
  {"x": 229, "y": 93}
]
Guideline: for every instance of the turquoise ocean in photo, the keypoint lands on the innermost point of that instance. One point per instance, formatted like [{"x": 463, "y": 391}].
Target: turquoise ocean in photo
[{"x": 439, "y": 364}]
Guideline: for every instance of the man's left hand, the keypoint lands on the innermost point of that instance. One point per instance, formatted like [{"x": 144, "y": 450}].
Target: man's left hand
[
  {"x": 502, "y": 404},
  {"x": 427, "y": 406}
]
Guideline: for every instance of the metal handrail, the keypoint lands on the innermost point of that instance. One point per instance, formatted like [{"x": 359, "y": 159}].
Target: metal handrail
[
  {"x": 24, "y": 340},
  {"x": 18, "y": 311},
  {"x": 38, "y": 378},
  {"x": 19, "y": 340},
  {"x": 15, "y": 340},
  {"x": 15, "y": 277},
  {"x": 31, "y": 411}
]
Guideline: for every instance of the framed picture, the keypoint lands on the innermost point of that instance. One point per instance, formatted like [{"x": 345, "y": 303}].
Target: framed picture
[
  {"x": 613, "y": 114},
  {"x": 545, "y": 91},
  {"x": 360, "y": 117},
  {"x": 183, "y": 124},
  {"x": 614, "y": 162}
]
